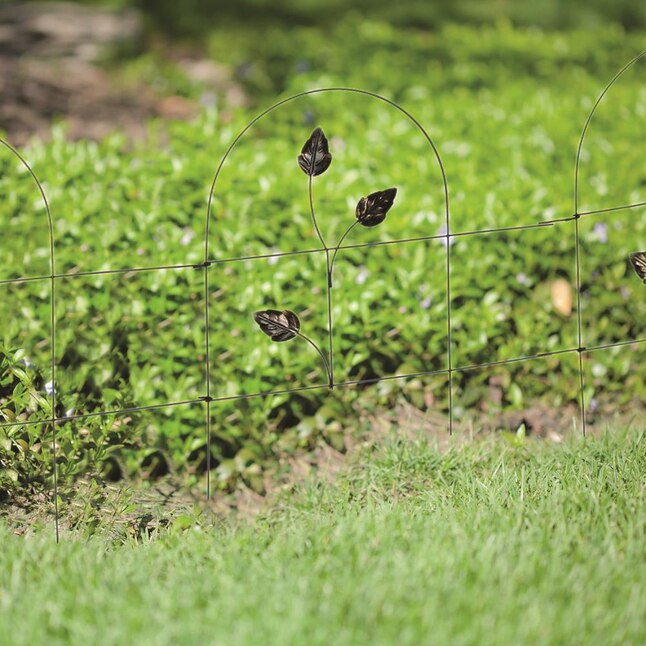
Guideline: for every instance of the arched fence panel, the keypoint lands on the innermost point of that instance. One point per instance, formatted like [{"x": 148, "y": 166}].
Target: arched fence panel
[{"x": 186, "y": 359}]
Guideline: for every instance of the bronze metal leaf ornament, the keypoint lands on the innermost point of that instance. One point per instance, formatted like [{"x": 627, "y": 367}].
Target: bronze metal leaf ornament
[
  {"x": 283, "y": 325},
  {"x": 278, "y": 325},
  {"x": 638, "y": 261},
  {"x": 372, "y": 210},
  {"x": 315, "y": 157}
]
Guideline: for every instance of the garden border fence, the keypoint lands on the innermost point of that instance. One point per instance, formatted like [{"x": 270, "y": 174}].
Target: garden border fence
[{"x": 446, "y": 237}]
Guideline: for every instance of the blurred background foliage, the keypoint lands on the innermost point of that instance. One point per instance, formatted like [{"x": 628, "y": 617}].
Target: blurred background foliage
[
  {"x": 503, "y": 88},
  {"x": 199, "y": 17}
]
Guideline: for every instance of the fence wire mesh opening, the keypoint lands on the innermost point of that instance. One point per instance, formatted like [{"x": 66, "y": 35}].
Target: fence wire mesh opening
[{"x": 282, "y": 302}]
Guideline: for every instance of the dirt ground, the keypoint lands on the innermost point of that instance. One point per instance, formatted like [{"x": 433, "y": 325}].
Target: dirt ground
[
  {"x": 131, "y": 509},
  {"x": 52, "y": 68}
]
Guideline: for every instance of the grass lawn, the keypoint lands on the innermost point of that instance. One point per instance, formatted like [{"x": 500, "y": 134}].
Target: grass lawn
[{"x": 499, "y": 541}]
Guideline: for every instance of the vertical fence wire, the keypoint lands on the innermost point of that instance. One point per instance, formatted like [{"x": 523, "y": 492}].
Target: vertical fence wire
[
  {"x": 449, "y": 358},
  {"x": 207, "y": 380},
  {"x": 580, "y": 348},
  {"x": 207, "y": 349}
]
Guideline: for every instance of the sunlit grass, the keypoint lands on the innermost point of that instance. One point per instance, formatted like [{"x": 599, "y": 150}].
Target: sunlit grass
[{"x": 495, "y": 542}]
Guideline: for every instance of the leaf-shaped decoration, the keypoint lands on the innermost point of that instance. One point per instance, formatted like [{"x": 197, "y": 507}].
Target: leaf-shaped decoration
[
  {"x": 278, "y": 326},
  {"x": 638, "y": 261},
  {"x": 372, "y": 210},
  {"x": 315, "y": 157}
]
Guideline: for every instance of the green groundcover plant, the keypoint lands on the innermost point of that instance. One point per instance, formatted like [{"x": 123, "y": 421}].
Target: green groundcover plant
[{"x": 505, "y": 108}]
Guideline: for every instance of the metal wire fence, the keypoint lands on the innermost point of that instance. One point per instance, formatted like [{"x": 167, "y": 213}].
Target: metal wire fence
[{"x": 209, "y": 400}]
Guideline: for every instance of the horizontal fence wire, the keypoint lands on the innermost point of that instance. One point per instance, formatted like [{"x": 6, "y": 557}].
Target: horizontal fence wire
[
  {"x": 301, "y": 252},
  {"x": 583, "y": 214},
  {"x": 208, "y": 398},
  {"x": 324, "y": 386}
]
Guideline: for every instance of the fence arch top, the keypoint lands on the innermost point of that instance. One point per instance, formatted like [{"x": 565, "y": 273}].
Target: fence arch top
[
  {"x": 329, "y": 256},
  {"x": 347, "y": 90},
  {"x": 588, "y": 122},
  {"x": 50, "y": 223}
]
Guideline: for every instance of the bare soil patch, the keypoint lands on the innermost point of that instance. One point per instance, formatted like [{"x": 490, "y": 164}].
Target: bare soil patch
[{"x": 51, "y": 68}]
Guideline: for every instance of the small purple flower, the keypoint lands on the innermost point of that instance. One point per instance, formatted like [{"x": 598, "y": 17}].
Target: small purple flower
[
  {"x": 426, "y": 303},
  {"x": 303, "y": 66},
  {"x": 601, "y": 231},
  {"x": 244, "y": 71},
  {"x": 188, "y": 236},
  {"x": 594, "y": 404},
  {"x": 522, "y": 279},
  {"x": 362, "y": 276}
]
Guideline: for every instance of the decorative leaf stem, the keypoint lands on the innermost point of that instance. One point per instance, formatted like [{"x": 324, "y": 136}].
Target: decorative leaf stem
[
  {"x": 315, "y": 159},
  {"x": 370, "y": 212},
  {"x": 313, "y": 214},
  {"x": 336, "y": 250},
  {"x": 281, "y": 326}
]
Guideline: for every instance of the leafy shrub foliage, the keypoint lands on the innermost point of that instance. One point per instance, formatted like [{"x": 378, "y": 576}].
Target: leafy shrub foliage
[{"x": 505, "y": 108}]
